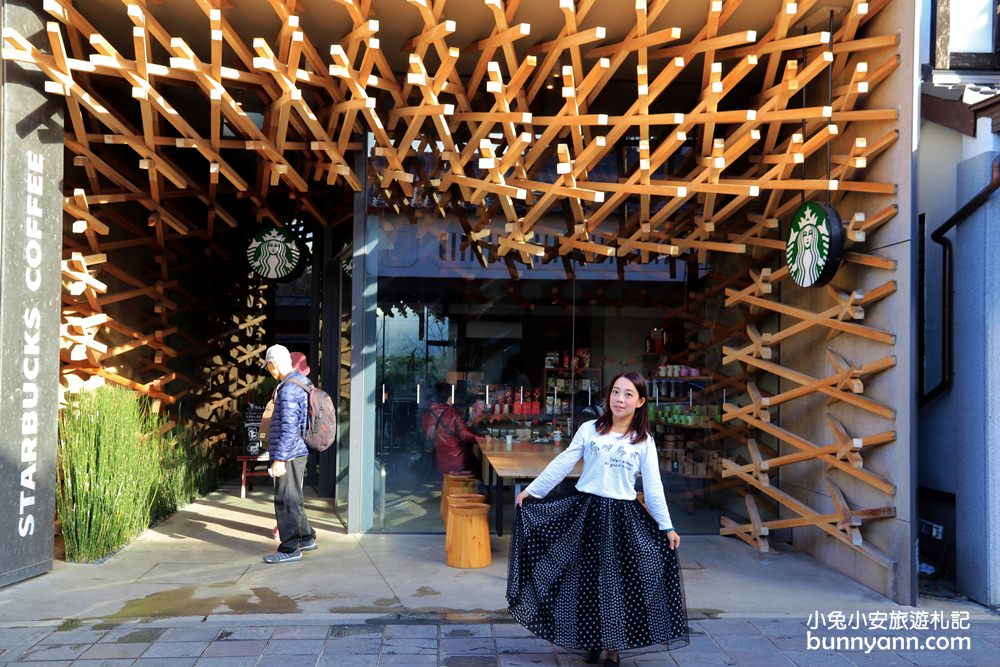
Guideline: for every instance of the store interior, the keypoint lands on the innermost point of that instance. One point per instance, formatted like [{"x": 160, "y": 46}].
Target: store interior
[{"x": 533, "y": 359}]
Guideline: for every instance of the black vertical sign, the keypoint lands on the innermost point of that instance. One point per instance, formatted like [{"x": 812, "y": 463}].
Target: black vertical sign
[{"x": 31, "y": 168}]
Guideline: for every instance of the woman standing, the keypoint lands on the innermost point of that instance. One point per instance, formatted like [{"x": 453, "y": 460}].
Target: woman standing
[{"x": 594, "y": 570}]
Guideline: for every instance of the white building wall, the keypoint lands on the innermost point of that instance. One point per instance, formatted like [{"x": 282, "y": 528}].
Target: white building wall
[{"x": 957, "y": 429}]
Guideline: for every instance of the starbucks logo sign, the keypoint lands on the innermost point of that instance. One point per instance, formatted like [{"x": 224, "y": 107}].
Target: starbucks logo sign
[
  {"x": 273, "y": 253},
  {"x": 815, "y": 240}
]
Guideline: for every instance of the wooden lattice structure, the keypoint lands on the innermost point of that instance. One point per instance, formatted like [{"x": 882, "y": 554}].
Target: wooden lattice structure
[{"x": 516, "y": 125}]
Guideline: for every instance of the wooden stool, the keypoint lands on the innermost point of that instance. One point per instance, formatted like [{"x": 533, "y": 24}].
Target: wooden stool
[
  {"x": 247, "y": 473},
  {"x": 458, "y": 499},
  {"x": 459, "y": 487},
  {"x": 470, "y": 542},
  {"x": 446, "y": 487}
]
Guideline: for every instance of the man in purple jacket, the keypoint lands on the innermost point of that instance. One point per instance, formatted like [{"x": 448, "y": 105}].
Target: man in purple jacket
[{"x": 288, "y": 455}]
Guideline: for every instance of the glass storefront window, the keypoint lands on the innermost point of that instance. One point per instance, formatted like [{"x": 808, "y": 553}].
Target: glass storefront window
[{"x": 509, "y": 349}]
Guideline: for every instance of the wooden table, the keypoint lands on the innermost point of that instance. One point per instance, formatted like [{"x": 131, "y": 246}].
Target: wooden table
[{"x": 521, "y": 460}]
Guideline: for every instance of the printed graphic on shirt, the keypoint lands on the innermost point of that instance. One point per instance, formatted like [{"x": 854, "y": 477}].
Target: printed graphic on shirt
[{"x": 614, "y": 455}]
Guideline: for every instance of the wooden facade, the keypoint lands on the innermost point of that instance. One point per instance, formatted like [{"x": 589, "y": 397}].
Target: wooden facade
[{"x": 186, "y": 132}]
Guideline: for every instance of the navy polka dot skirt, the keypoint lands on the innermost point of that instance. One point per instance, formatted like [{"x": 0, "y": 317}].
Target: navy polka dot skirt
[{"x": 594, "y": 573}]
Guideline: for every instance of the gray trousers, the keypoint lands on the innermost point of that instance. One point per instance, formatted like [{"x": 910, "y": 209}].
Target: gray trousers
[{"x": 289, "y": 506}]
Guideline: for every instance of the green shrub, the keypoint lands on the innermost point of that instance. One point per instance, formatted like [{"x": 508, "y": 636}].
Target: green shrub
[
  {"x": 108, "y": 472},
  {"x": 118, "y": 475},
  {"x": 187, "y": 471}
]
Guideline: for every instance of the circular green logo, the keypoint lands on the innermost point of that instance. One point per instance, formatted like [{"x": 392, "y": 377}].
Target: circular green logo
[
  {"x": 815, "y": 240},
  {"x": 273, "y": 252}
]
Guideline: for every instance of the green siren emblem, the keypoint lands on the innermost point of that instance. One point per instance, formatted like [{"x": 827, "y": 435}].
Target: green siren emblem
[
  {"x": 273, "y": 253},
  {"x": 815, "y": 239}
]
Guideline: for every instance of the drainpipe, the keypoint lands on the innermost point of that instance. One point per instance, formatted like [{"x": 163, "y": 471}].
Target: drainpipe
[{"x": 947, "y": 300}]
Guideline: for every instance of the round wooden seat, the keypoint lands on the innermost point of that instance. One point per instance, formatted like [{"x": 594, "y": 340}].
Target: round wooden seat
[
  {"x": 455, "y": 482},
  {"x": 470, "y": 542},
  {"x": 458, "y": 499}
]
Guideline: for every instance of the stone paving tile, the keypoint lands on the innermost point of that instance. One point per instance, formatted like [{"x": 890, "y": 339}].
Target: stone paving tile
[
  {"x": 294, "y": 647},
  {"x": 469, "y": 630},
  {"x": 730, "y": 643},
  {"x": 522, "y": 645},
  {"x": 287, "y": 661},
  {"x": 935, "y": 657},
  {"x": 133, "y": 635},
  {"x": 47, "y": 663},
  {"x": 528, "y": 660},
  {"x": 244, "y": 633},
  {"x": 984, "y": 628},
  {"x": 408, "y": 661},
  {"x": 877, "y": 659},
  {"x": 165, "y": 662},
  {"x": 789, "y": 642},
  {"x": 356, "y": 631},
  {"x": 233, "y": 649},
  {"x": 652, "y": 659},
  {"x": 232, "y": 661},
  {"x": 411, "y": 631},
  {"x": 348, "y": 660},
  {"x": 686, "y": 658},
  {"x": 76, "y": 636},
  {"x": 817, "y": 659},
  {"x": 727, "y": 627},
  {"x": 702, "y": 643},
  {"x": 10, "y": 637},
  {"x": 54, "y": 652},
  {"x": 779, "y": 626},
  {"x": 759, "y": 659},
  {"x": 468, "y": 661},
  {"x": 350, "y": 645},
  {"x": 980, "y": 656},
  {"x": 105, "y": 662},
  {"x": 12, "y": 653},
  {"x": 114, "y": 651},
  {"x": 409, "y": 646},
  {"x": 510, "y": 630},
  {"x": 571, "y": 660},
  {"x": 466, "y": 646},
  {"x": 175, "y": 650},
  {"x": 301, "y": 632},
  {"x": 205, "y": 634},
  {"x": 663, "y": 661}
]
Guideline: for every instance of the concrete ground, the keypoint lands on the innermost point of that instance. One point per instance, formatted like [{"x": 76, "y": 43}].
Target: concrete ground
[{"x": 194, "y": 590}]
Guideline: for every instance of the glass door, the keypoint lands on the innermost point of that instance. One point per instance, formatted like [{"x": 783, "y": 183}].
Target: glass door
[{"x": 415, "y": 355}]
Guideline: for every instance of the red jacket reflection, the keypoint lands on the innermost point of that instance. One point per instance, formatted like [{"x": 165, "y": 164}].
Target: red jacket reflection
[{"x": 443, "y": 425}]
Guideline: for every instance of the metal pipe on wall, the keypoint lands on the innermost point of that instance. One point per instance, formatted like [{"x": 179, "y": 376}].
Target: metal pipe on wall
[{"x": 947, "y": 290}]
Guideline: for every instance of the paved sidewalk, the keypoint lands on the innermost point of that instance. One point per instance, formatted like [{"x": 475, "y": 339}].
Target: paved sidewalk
[
  {"x": 193, "y": 591},
  {"x": 373, "y": 642}
]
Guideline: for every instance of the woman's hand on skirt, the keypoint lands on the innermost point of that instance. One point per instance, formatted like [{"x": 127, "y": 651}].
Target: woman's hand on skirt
[
  {"x": 521, "y": 496},
  {"x": 675, "y": 539}
]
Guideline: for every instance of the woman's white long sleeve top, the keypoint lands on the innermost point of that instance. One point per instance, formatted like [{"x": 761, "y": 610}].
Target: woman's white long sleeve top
[{"x": 611, "y": 464}]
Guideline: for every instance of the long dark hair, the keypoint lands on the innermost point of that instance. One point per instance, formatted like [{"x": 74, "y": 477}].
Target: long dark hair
[{"x": 639, "y": 428}]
